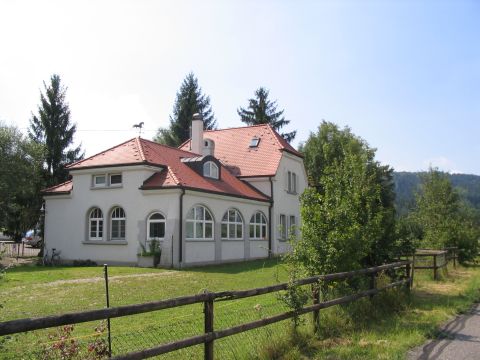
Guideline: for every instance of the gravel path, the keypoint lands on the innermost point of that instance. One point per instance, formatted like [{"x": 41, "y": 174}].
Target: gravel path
[{"x": 459, "y": 340}]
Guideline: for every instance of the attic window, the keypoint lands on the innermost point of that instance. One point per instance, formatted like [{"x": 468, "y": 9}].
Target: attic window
[
  {"x": 210, "y": 169},
  {"x": 254, "y": 142}
]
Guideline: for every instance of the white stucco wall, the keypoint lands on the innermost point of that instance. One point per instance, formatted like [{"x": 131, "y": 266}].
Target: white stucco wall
[
  {"x": 66, "y": 218},
  {"x": 200, "y": 252}
]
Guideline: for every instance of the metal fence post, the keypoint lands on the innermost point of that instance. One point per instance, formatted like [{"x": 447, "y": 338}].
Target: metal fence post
[
  {"x": 435, "y": 269},
  {"x": 316, "y": 313},
  {"x": 105, "y": 272},
  {"x": 208, "y": 310}
]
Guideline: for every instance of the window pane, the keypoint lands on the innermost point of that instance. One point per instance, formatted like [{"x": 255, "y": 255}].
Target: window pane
[
  {"x": 100, "y": 180},
  {"x": 115, "y": 179},
  {"x": 214, "y": 171},
  {"x": 208, "y": 230},
  {"x": 239, "y": 231},
  {"x": 231, "y": 215},
  {"x": 238, "y": 218},
  {"x": 190, "y": 214},
  {"x": 252, "y": 231},
  {"x": 100, "y": 228},
  {"x": 199, "y": 230},
  {"x": 115, "y": 229},
  {"x": 231, "y": 231},
  {"x": 122, "y": 229},
  {"x": 199, "y": 213},
  {"x": 208, "y": 216},
  {"x": 294, "y": 182},
  {"x": 225, "y": 217},
  {"x": 157, "y": 216},
  {"x": 189, "y": 229},
  {"x": 224, "y": 231},
  {"x": 257, "y": 231},
  {"x": 264, "y": 231}
]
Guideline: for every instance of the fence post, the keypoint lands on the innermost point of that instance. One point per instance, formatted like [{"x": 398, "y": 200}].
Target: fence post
[
  {"x": 454, "y": 250},
  {"x": 23, "y": 249},
  {"x": 409, "y": 277},
  {"x": 373, "y": 283},
  {"x": 412, "y": 271},
  {"x": 435, "y": 269},
  {"x": 316, "y": 313},
  {"x": 208, "y": 310},
  {"x": 105, "y": 273}
]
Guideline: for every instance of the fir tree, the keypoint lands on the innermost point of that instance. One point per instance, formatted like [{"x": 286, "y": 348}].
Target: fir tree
[
  {"x": 190, "y": 100},
  {"x": 53, "y": 129},
  {"x": 261, "y": 110}
]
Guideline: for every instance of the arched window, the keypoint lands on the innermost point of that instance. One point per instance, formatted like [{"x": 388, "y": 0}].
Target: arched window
[
  {"x": 117, "y": 224},
  {"x": 210, "y": 169},
  {"x": 199, "y": 223},
  {"x": 156, "y": 226},
  {"x": 232, "y": 225},
  {"x": 95, "y": 224},
  {"x": 258, "y": 226}
]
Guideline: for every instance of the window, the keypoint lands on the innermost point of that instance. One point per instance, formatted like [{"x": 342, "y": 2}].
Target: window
[
  {"x": 283, "y": 227},
  {"x": 99, "y": 180},
  {"x": 117, "y": 224},
  {"x": 292, "y": 225},
  {"x": 254, "y": 142},
  {"x": 258, "y": 226},
  {"x": 210, "y": 169},
  {"x": 115, "y": 179},
  {"x": 232, "y": 225},
  {"x": 199, "y": 223},
  {"x": 95, "y": 225},
  {"x": 156, "y": 226},
  {"x": 291, "y": 182}
]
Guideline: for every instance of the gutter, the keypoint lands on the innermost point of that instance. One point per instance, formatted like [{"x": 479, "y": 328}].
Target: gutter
[
  {"x": 180, "y": 240},
  {"x": 270, "y": 238}
]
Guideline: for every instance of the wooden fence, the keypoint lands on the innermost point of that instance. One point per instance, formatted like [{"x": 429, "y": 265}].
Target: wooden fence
[
  {"x": 208, "y": 299},
  {"x": 438, "y": 259}
]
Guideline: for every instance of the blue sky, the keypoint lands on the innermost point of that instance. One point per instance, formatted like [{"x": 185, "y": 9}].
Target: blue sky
[{"x": 404, "y": 75}]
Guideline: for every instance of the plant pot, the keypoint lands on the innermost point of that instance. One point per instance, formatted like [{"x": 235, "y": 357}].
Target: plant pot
[{"x": 145, "y": 261}]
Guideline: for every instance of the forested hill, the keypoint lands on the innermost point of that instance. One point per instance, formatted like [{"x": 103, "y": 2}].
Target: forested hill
[{"x": 407, "y": 183}]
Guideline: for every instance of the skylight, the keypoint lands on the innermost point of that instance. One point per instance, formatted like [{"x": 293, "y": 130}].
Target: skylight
[{"x": 254, "y": 142}]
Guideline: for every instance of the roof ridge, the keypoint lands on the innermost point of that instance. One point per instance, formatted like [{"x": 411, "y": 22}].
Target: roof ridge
[
  {"x": 174, "y": 177},
  {"x": 140, "y": 148},
  {"x": 101, "y": 152},
  {"x": 236, "y": 127},
  {"x": 168, "y": 146}
]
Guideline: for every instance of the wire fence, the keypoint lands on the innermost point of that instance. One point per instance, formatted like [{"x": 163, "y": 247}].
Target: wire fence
[{"x": 16, "y": 250}]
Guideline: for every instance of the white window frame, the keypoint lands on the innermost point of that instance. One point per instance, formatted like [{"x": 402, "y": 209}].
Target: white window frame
[
  {"x": 292, "y": 225},
  {"x": 261, "y": 225},
  {"x": 110, "y": 179},
  {"x": 282, "y": 227},
  {"x": 101, "y": 185},
  {"x": 227, "y": 224},
  {"x": 151, "y": 221},
  {"x": 118, "y": 219},
  {"x": 291, "y": 182},
  {"x": 198, "y": 217},
  {"x": 98, "y": 221},
  {"x": 210, "y": 170}
]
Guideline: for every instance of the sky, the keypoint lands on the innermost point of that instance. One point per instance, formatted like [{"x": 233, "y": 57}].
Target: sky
[{"x": 403, "y": 75}]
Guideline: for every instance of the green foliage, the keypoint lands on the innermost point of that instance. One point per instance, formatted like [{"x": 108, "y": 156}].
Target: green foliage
[
  {"x": 261, "y": 110},
  {"x": 348, "y": 214},
  {"x": 53, "y": 129},
  {"x": 189, "y": 101},
  {"x": 21, "y": 162}
]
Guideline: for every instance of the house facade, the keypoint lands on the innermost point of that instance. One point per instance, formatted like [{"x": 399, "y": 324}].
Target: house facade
[{"x": 224, "y": 195}]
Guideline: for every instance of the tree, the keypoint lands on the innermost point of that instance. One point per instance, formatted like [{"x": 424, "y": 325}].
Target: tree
[
  {"x": 348, "y": 214},
  {"x": 53, "y": 128},
  {"x": 190, "y": 100},
  {"x": 21, "y": 165},
  {"x": 261, "y": 110}
]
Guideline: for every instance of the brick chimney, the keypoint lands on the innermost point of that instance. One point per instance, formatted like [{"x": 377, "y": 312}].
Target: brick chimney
[{"x": 196, "y": 145}]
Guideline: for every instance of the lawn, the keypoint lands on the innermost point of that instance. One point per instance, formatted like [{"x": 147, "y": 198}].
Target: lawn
[{"x": 393, "y": 324}]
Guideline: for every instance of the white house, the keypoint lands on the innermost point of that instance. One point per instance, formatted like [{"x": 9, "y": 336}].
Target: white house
[{"x": 224, "y": 195}]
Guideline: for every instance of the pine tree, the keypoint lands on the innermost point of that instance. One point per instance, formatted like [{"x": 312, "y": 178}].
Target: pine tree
[
  {"x": 190, "y": 100},
  {"x": 261, "y": 110},
  {"x": 53, "y": 129}
]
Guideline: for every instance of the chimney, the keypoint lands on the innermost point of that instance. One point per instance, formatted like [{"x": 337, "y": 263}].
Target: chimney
[{"x": 196, "y": 144}]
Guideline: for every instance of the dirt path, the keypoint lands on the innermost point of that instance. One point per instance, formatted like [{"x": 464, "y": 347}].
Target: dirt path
[
  {"x": 459, "y": 339},
  {"x": 110, "y": 278}
]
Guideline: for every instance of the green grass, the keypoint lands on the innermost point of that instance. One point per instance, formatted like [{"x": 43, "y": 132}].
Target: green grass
[{"x": 385, "y": 328}]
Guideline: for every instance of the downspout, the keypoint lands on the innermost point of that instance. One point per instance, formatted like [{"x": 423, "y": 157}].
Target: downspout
[
  {"x": 180, "y": 220},
  {"x": 270, "y": 238}
]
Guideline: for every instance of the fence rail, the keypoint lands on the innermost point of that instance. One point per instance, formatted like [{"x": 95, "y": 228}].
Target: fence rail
[
  {"x": 209, "y": 299},
  {"x": 439, "y": 259},
  {"x": 17, "y": 250}
]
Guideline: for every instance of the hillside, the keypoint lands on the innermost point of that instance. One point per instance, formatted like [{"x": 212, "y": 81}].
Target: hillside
[{"x": 407, "y": 183}]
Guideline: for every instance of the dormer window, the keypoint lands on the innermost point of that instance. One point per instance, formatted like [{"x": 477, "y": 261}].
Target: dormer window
[
  {"x": 254, "y": 142},
  {"x": 210, "y": 169}
]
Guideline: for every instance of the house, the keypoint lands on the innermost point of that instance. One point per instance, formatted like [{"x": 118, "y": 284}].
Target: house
[{"x": 224, "y": 195}]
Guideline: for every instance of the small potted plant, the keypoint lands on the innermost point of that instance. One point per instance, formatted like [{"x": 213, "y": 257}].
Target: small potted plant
[{"x": 150, "y": 257}]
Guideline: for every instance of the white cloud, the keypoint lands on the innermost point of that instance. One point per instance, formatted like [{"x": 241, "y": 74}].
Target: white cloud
[{"x": 442, "y": 163}]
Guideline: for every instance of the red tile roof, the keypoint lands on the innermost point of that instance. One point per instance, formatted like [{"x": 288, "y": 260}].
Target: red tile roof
[
  {"x": 232, "y": 148},
  {"x": 63, "y": 188},
  {"x": 174, "y": 172}
]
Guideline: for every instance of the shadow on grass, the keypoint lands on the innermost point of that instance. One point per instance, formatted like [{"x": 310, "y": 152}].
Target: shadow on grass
[{"x": 237, "y": 267}]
